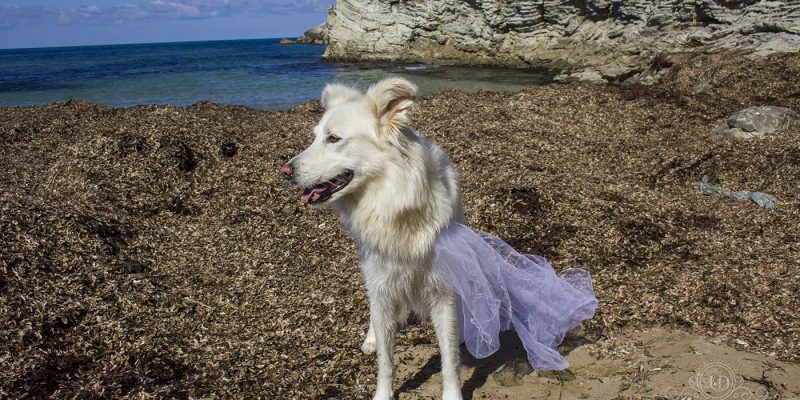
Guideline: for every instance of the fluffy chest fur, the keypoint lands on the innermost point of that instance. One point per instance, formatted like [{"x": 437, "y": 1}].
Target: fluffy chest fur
[{"x": 399, "y": 212}]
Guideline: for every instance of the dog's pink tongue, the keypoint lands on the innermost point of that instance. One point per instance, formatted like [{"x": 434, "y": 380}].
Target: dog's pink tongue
[{"x": 309, "y": 193}]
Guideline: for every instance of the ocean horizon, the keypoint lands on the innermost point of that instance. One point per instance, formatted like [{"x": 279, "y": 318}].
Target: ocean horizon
[{"x": 257, "y": 73}]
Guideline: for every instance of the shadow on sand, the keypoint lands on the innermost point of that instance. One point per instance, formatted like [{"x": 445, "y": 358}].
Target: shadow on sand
[{"x": 509, "y": 364}]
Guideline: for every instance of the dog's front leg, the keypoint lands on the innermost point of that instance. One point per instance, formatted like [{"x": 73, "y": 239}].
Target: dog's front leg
[
  {"x": 368, "y": 347},
  {"x": 383, "y": 326},
  {"x": 443, "y": 316}
]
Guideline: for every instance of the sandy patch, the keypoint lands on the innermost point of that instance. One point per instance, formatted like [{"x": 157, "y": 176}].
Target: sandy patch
[{"x": 651, "y": 363}]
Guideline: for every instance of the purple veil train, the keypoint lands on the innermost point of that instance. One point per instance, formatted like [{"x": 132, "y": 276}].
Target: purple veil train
[{"x": 501, "y": 289}]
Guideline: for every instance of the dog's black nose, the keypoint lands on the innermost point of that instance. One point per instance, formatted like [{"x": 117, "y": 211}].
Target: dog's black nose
[{"x": 287, "y": 170}]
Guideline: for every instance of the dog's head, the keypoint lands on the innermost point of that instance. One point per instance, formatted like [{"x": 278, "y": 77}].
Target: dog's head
[{"x": 352, "y": 140}]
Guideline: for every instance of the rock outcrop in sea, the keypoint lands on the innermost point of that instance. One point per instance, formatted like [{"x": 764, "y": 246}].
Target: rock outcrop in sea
[
  {"x": 315, "y": 35},
  {"x": 596, "y": 40}
]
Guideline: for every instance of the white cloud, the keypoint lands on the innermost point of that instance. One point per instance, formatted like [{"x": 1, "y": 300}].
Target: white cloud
[{"x": 11, "y": 16}]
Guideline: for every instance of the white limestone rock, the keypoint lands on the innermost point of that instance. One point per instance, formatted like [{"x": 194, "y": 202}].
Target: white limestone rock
[{"x": 617, "y": 39}]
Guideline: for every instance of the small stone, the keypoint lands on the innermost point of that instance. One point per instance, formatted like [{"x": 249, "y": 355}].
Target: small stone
[
  {"x": 228, "y": 149},
  {"x": 187, "y": 161},
  {"x": 513, "y": 372},
  {"x": 756, "y": 121},
  {"x": 587, "y": 75},
  {"x": 762, "y": 199},
  {"x": 133, "y": 267},
  {"x": 561, "y": 376}
]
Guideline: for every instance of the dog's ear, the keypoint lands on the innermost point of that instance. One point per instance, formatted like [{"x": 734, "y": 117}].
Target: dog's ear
[
  {"x": 391, "y": 100},
  {"x": 336, "y": 93}
]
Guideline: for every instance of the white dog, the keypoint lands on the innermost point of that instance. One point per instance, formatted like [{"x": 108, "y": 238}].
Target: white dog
[{"x": 394, "y": 191}]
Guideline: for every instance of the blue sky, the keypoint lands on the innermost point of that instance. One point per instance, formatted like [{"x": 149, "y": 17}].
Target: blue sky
[{"x": 45, "y": 23}]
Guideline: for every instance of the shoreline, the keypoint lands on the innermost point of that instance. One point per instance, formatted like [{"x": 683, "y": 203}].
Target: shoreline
[
  {"x": 432, "y": 78},
  {"x": 156, "y": 251}
]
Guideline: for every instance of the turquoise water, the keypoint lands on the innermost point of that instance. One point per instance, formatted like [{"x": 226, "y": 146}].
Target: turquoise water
[{"x": 256, "y": 73}]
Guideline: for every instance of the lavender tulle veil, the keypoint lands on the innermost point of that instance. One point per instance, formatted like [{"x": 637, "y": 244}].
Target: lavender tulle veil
[{"x": 501, "y": 289}]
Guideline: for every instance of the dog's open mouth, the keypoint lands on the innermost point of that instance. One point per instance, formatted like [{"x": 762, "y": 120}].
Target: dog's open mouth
[{"x": 322, "y": 192}]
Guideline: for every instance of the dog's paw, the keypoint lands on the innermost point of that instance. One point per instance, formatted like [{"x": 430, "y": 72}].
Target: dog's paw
[
  {"x": 451, "y": 395},
  {"x": 368, "y": 347},
  {"x": 383, "y": 395}
]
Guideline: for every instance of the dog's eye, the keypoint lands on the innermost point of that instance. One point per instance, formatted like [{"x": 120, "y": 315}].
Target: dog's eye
[{"x": 333, "y": 139}]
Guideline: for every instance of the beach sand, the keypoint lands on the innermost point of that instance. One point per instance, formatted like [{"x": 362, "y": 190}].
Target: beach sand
[
  {"x": 156, "y": 251},
  {"x": 653, "y": 363}
]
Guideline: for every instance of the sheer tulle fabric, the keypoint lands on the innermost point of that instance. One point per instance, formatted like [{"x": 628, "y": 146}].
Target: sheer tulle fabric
[{"x": 500, "y": 289}]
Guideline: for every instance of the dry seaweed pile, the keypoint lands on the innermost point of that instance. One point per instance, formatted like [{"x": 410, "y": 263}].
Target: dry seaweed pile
[{"x": 156, "y": 251}]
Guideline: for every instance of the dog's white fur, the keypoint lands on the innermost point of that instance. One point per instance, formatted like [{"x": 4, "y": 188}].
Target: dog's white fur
[{"x": 404, "y": 191}]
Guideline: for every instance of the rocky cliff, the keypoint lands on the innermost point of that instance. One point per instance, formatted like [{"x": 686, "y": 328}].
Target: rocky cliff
[{"x": 603, "y": 40}]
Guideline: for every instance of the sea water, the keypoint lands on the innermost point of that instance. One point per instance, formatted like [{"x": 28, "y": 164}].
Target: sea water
[{"x": 256, "y": 73}]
